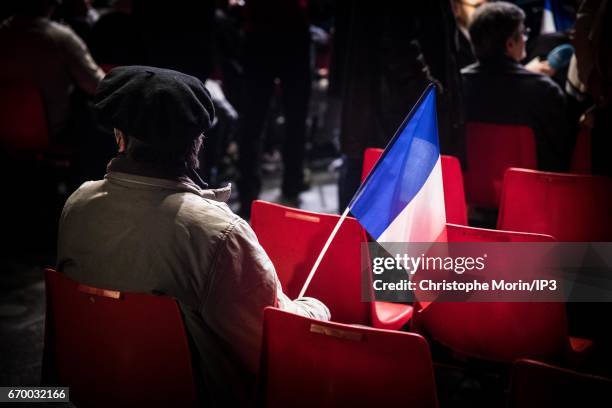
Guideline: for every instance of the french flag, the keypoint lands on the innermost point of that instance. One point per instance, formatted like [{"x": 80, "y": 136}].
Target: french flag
[
  {"x": 556, "y": 18},
  {"x": 402, "y": 199},
  {"x": 548, "y": 19}
]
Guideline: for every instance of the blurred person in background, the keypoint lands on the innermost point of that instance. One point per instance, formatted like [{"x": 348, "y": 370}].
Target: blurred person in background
[
  {"x": 228, "y": 46},
  {"x": 594, "y": 76},
  {"x": 79, "y": 15},
  {"x": 50, "y": 56},
  {"x": 277, "y": 47},
  {"x": 177, "y": 35},
  {"x": 498, "y": 89},
  {"x": 463, "y": 10},
  {"x": 47, "y": 58},
  {"x": 181, "y": 36},
  {"x": 384, "y": 56},
  {"x": 115, "y": 38},
  {"x": 550, "y": 24}
]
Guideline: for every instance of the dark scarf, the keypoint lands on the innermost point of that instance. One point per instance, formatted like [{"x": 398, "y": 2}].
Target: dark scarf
[{"x": 183, "y": 174}]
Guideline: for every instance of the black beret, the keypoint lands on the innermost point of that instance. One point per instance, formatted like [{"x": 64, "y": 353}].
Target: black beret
[{"x": 157, "y": 106}]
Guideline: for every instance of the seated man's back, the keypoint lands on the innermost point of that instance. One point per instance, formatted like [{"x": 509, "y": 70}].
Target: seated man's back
[
  {"x": 149, "y": 235},
  {"x": 497, "y": 89}
]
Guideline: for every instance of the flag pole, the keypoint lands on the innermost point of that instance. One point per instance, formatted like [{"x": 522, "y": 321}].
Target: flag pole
[
  {"x": 346, "y": 211},
  {"x": 323, "y": 251}
]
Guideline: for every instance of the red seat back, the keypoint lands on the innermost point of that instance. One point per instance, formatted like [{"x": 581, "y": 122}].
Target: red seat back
[
  {"x": 490, "y": 150},
  {"x": 309, "y": 363},
  {"x": 535, "y": 384},
  {"x": 454, "y": 194},
  {"x": 370, "y": 157},
  {"x": 294, "y": 238},
  {"x": 569, "y": 207},
  {"x": 462, "y": 233},
  {"x": 452, "y": 179},
  {"x": 109, "y": 346},
  {"x": 497, "y": 331},
  {"x": 23, "y": 121}
]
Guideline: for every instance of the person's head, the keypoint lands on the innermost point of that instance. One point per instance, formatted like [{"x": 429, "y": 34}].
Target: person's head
[
  {"x": 464, "y": 9},
  {"x": 159, "y": 116},
  {"x": 498, "y": 29}
]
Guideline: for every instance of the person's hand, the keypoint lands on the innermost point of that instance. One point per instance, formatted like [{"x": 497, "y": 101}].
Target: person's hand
[
  {"x": 313, "y": 307},
  {"x": 540, "y": 67}
]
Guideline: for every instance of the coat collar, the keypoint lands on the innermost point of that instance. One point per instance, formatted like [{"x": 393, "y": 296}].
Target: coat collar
[
  {"x": 132, "y": 180},
  {"x": 500, "y": 64}
]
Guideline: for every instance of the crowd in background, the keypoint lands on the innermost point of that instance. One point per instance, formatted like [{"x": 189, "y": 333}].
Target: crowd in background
[{"x": 306, "y": 79}]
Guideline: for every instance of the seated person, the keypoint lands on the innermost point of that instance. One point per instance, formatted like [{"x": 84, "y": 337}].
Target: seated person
[
  {"x": 152, "y": 226},
  {"x": 463, "y": 10},
  {"x": 498, "y": 89},
  {"x": 49, "y": 55}
]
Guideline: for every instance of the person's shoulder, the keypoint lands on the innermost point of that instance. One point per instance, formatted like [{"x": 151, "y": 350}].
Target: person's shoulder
[
  {"x": 58, "y": 28},
  {"x": 83, "y": 194},
  {"x": 548, "y": 83},
  {"x": 206, "y": 212},
  {"x": 86, "y": 189},
  {"x": 540, "y": 82},
  {"x": 520, "y": 69}
]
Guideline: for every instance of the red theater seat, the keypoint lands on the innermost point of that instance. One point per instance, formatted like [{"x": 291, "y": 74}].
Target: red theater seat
[
  {"x": 113, "y": 348},
  {"x": 23, "y": 121},
  {"x": 569, "y": 207},
  {"x": 497, "y": 331},
  {"x": 293, "y": 239},
  {"x": 454, "y": 195},
  {"x": 490, "y": 150},
  {"x": 309, "y": 363},
  {"x": 535, "y": 384}
]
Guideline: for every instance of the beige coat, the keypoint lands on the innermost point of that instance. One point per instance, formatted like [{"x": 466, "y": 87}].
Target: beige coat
[{"x": 159, "y": 236}]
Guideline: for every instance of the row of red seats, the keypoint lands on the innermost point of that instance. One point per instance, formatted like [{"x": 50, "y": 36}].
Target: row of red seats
[
  {"x": 490, "y": 150},
  {"x": 309, "y": 363},
  {"x": 570, "y": 207},
  {"x": 125, "y": 349},
  {"x": 69, "y": 348},
  {"x": 504, "y": 331},
  {"x": 493, "y": 148},
  {"x": 493, "y": 331}
]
